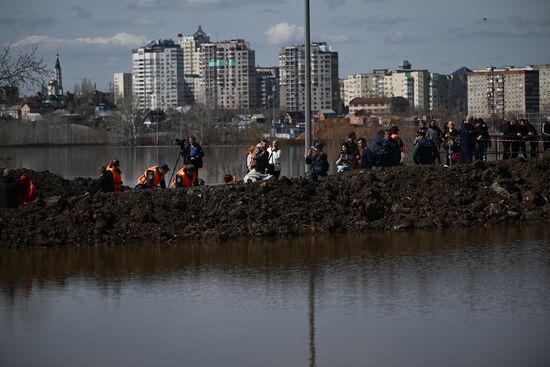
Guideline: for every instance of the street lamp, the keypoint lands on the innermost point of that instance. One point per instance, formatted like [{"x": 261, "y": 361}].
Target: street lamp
[{"x": 307, "y": 83}]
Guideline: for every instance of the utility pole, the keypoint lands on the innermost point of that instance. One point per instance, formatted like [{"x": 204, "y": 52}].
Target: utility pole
[{"x": 307, "y": 81}]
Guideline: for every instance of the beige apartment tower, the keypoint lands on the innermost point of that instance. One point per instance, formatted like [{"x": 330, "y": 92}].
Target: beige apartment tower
[{"x": 500, "y": 92}]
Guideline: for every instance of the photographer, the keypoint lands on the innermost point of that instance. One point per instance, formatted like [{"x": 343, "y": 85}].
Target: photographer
[
  {"x": 193, "y": 153},
  {"x": 318, "y": 160}
]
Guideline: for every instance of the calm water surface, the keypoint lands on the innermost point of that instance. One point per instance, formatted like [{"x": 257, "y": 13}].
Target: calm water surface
[{"x": 463, "y": 298}]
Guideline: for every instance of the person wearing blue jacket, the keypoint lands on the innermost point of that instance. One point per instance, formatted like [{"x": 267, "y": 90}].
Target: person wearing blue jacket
[{"x": 467, "y": 140}]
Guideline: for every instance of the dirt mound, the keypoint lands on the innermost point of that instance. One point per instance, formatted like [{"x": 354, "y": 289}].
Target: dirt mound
[
  {"x": 397, "y": 198},
  {"x": 48, "y": 184}
]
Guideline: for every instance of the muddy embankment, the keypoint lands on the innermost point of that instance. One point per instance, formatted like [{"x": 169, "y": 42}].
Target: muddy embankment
[{"x": 397, "y": 198}]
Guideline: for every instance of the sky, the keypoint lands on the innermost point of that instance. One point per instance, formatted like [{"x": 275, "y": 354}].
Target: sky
[{"x": 95, "y": 38}]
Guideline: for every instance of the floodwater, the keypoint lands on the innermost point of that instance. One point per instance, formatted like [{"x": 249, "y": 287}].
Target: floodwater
[
  {"x": 457, "y": 298},
  {"x": 84, "y": 161}
]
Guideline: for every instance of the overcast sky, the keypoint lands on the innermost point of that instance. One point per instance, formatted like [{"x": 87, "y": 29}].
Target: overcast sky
[{"x": 94, "y": 38}]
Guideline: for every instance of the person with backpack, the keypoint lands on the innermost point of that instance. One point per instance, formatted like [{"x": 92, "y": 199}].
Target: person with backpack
[
  {"x": 435, "y": 134},
  {"x": 425, "y": 151},
  {"x": 385, "y": 152},
  {"x": 318, "y": 160}
]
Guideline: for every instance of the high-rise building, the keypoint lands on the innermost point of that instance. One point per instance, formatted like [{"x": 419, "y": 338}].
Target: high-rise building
[
  {"x": 228, "y": 75},
  {"x": 157, "y": 75},
  {"x": 355, "y": 86},
  {"x": 493, "y": 91},
  {"x": 191, "y": 46},
  {"x": 544, "y": 86},
  {"x": 122, "y": 87},
  {"x": 267, "y": 80},
  {"x": 325, "y": 85}
]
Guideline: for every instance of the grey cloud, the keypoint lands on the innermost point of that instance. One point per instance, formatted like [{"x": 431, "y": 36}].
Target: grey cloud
[
  {"x": 132, "y": 22},
  {"x": 372, "y": 22},
  {"x": 197, "y": 4},
  {"x": 335, "y": 3},
  {"x": 27, "y": 21},
  {"x": 81, "y": 12},
  {"x": 512, "y": 27}
]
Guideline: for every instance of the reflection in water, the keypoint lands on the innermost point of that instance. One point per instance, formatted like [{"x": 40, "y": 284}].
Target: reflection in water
[{"x": 478, "y": 297}]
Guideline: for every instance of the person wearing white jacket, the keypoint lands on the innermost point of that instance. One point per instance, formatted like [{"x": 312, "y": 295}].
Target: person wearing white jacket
[{"x": 274, "y": 152}]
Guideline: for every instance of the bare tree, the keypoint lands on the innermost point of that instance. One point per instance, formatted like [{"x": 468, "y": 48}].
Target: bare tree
[
  {"x": 21, "y": 69},
  {"x": 126, "y": 124}
]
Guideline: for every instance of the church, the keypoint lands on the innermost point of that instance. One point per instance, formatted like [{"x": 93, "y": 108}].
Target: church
[{"x": 54, "y": 95}]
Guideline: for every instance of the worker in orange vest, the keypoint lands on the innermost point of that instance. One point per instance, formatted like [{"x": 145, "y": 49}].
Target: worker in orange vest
[
  {"x": 186, "y": 176},
  {"x": 27, "y": 190},
  {"x": 153, "y": 177},
  {"x": 114, "y": 168}
]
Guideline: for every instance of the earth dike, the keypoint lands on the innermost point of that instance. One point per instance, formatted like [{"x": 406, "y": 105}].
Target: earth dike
[{"x": 395, "y": 198}]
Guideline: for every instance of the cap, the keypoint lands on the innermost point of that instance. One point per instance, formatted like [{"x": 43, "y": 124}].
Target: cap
[
  {"x": 421, "y": 132},
  {"x": 115, "y": 162},
  {"x": 191, "y": 167},
  {"x": 164, "y": 166},
  {"x": 318, "y": 146}
]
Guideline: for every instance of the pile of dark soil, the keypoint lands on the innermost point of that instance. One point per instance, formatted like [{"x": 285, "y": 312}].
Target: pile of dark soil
[
  {"x": 397, "y": 198},
  {"x": 48, "y": 184}
]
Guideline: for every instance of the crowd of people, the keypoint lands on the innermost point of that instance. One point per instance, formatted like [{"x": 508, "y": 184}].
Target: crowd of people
[
  {"x": 465, "y": 144},
  {"x": 263, "y": 161}
]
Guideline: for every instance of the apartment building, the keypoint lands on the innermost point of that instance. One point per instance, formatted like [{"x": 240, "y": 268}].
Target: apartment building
[
  {"x": 122, "y": 87},
  {"x": 325, "y": 84},
  {"x": 157, "y": 75},
  {"x": 228, "y": 75},
  {"x": 493, "y": 91},
  {"x": 544, "y": 87},
  {"x": 267, "y": 81},
  {"x": 191, "y": 46}
]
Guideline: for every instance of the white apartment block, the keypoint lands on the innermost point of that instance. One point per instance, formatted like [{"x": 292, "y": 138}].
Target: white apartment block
[
  {"x": 325, "y": 85},
  {"x": 544, "y": 86},
  {"x": 493, "y": 91},
  {"x": 228, "y": 75},
  {"x": 122, "y": 87},
  {"x": 355, "y": 86},
  {"x": 157, "y": 75}
]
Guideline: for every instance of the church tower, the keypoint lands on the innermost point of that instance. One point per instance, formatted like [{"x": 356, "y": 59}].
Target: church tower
[{"x": 57, "y": 77}]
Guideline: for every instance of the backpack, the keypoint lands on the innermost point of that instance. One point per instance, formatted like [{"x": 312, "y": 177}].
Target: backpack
[{"x": 384, "y": 154}]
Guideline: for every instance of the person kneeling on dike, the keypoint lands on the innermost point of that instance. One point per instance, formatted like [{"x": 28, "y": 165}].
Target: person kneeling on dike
[
  {"x": 186, "y": 177},
  {"x": 153, "y": 178}
]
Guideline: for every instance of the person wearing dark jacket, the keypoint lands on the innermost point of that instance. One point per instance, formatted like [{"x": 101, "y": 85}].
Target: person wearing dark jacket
[
  {"x": 507, "y": 134},
  {"x": 318, "y": 160},
  {"x": 425, "y": 151},
  {"x": 482, "y": 137},
  {"x": 467, "y": 142},
  {"x": 521, "y": 133},
  {"x": 260, "y": 161},
  {"x": 105, "y": 181},
  {"x": 193, "y": 153},
  {"x": 533, "y": 137},
  {"x": 364, "y": 154},
  {"x": 452, "y": 145},
  {"x": 545, "y": 131},
  {"x": 435, "y": 134}
]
